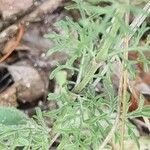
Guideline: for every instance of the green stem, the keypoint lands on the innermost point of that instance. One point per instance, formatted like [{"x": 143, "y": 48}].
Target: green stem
[
  {"x": 125, "y": 78},
  {"x": 93, "y": 66},
  {"x": 81, "y": 68}
]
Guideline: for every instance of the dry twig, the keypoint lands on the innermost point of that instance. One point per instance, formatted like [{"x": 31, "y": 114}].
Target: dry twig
[{"x": 125, "y": 79}]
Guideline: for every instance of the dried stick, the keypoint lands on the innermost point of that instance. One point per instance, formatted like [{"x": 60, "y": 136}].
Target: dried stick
[{"x": 125, "y": 80}]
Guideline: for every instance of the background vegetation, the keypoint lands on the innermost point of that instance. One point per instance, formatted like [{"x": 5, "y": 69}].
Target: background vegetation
[{"x": 91, "y": 112}]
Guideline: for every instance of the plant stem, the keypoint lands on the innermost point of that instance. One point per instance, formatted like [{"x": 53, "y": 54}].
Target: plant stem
[
  {"x": 125, "y": 79},
  {"x": 54, "y": 139},
  {"x": 81, "y": 68},
  {"x": 124, "y": 112},
  {"x": 93, "y": 66}
]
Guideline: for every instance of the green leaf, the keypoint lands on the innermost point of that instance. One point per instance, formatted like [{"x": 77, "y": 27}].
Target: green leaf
[
  {"x": 132, "y": 134},
  {"x": 12, "y": 116},
  {"x": 54, "y": 72},
  {"x": 22, "y": 141},
  {"x": 146, "y": 111},
  {"x": 53, "y": 96},
  {"x": 61, "y": 77}
]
